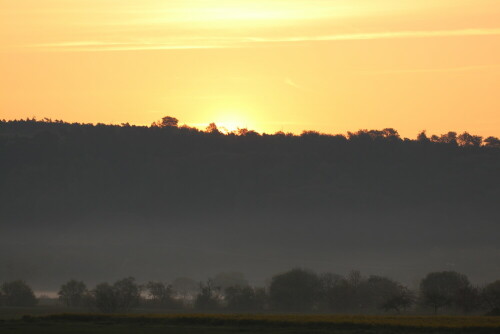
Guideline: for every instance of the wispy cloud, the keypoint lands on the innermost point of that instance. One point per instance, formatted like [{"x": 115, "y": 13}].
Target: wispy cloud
[
  {"x": 211, "y": 42},
  {"x": 91, "y": 46},
  {"x": 291, "y": 83},
  {"x": 387, "y": 35},
  {"x": 433, "y": 70}
]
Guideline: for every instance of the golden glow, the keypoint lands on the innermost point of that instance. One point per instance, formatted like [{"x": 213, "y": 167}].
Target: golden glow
[
  {"x": 231, "y": 120},
  {"x": 271, "y": 65}
]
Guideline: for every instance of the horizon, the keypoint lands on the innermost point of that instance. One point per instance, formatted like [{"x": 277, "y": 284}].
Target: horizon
[{"x": 236, "y": 128}]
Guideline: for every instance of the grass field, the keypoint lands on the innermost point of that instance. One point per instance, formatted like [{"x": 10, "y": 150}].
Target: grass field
[{"x": 215, "y": 323}]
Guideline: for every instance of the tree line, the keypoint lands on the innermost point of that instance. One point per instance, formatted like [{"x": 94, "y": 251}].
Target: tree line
[
  {"x": 53, "y": 170},
  {"x": 297, "y": 290},
  {"x": 32, "y": 126}
]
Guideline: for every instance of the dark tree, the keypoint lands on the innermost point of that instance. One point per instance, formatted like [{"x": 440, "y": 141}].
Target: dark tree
[
  {"x": 491, "y": 297},
  {"x": 105, "y": 298},
  {"x": 440, "y": 289},
  {"x": 295, "y": 290},
  {"x": 161, "y": 295},
  {"x": 122, "y": 296},
  {"x": 349, "y": 294},
  {"x": 246, "y": 132},
  {"x": 73, "y": 293},
  {"x": 209, "y": 297},
  {"x": 492, "y": 142},
  {"x": 355, "y": 279},
  {"x": 245, "y": 298},
  {"x": 355, "y": 293},
  {"x": 166, "y": 122},
  {"x": 379, "y": 292},
  {"x": 128, "y": 293},
  {"x": 399, "y": 300},
  {"x": 390, "y": 133},
  {"x": 468, "y": 299},
  {"x": 17, "y": 293},
  {"x": 328, "y": 283},
  {"x": 422, "y": 137},
  {"x": 212, "y": 129},
  {"x": 466, "y": 139},
  {"x": 449, "y": 138}
]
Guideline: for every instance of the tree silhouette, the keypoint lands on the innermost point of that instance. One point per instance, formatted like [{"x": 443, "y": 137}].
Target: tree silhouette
[
  {"x": 400, "y": 299},
  {"x": 161, "y": 295},
  {"x": 468, "y": 298},
  {"x": 466, "y": 139},
  {"x": 17, "y": 293},
  {"x": 105, "y": 298},
  {"x": 295, "y": 290},
  {"x": 245, "y": 298},
  {"x": 209, "y": 297},
  {"x": 212, "y": 129},
  {"x": 73, "y": 293},
  {"x": 491, "y": 297},
  {"x": 166, "y": 122},
  {"x": 440, "y": 289},
  {"x": 492, "y": 142},
  {"x": 122, "y": 296}
]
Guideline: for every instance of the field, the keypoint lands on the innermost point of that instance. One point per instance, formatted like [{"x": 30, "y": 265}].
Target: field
[{"x": 249, "y": 324}]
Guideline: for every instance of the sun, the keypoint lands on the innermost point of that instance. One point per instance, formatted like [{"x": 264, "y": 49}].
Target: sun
[{"x": 232, "y": 120}]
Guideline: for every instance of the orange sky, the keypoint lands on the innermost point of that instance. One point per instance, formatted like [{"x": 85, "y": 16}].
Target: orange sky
[{"x": 269, "y": 65}]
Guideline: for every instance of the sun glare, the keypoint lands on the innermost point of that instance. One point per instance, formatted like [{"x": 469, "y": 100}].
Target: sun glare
[{"x": 228, "y": 121}]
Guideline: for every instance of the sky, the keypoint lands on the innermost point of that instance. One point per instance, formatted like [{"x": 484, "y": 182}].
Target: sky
[{"x": 270, "y": 65}]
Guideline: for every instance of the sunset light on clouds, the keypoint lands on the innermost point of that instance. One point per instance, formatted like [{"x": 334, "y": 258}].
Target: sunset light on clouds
[{"x": 274, "y": 65}]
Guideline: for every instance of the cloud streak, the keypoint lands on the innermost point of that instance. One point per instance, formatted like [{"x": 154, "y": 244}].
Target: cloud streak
[
  {"x": 433, "y": 70},
  {"x": 212, "y": 42},
  {"x": 389, "y": 35},
  {"x": 290, "y": 82}
]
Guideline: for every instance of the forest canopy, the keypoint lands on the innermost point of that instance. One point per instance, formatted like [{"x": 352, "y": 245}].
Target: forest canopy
[{"x": 57, "y": 169}]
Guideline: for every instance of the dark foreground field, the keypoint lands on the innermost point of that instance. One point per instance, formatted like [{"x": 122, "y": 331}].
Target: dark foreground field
[{"x": 208, "y": 324}]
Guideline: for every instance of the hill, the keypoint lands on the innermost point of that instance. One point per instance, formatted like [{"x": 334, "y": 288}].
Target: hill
[{"x": 100, "y": 201}]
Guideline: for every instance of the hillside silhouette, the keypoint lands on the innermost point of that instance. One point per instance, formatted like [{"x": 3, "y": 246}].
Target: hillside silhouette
[{"x": 92, "y": 201}]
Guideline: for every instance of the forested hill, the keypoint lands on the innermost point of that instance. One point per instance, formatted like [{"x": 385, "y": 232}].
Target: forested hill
[
  {"x": 201, "y": 201},
  {"x": 56, "y": 170}
]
